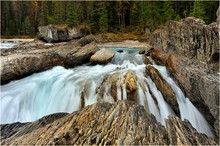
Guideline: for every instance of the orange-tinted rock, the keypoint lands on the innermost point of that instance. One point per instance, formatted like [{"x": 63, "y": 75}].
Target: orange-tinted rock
[
  {"x": 122, "y": 123},
  {"x": 164, "y": 88}
]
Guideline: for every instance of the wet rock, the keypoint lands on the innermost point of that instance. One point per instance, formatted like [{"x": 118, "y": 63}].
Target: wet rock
[
  {"x": 146, "y": 60},
  {"x": 117, "y": 83},
  {"x": 103, "y": 56},
  {"x": 164, "y": 88},
  {"x": 142, "y": 52},
  {"x": 199, "y": 83},
  {"x": 56, "y": 33},
  {"x": 190, "y": 37},
  {"x": 122, "y": 123},
  {"x": 24, "y": 61}
]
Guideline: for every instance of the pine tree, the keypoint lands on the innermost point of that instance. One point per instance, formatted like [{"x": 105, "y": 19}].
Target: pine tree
[
  {"x": 27, "y": 26},
  {"x": 103, "y": 20},
  {"x": 44, "y": 13},
  {"x": 169, "y": 13},
  {"x": 73, "y": 13},
  {"x": 58, "y": 15},
  {"x": 198, "y": 10}
]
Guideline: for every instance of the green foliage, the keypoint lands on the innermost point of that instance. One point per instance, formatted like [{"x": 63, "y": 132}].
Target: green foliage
[
  {"x": 169, "y": 12},
  {"x": 27, "y": 26},
  {"x": 198, "y": 10},
  {"x": 73, "y": 13},
  {"x": 24, "y": 17},
  {"x": 103, "y": 20},
  {"x": 44, "y": 15}
]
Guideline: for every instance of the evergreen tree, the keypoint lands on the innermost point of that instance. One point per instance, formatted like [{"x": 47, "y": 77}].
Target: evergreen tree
[
  {"x": 103, "y": 20},
  {"x": 58, "y": 13},
  {"x": 169, "y": 12},
  {"x": 73, "y": 13},
  {"x": 198, "y": 10},
  {"x": 94, "y": 16},
  {"x": 44, "y": 13},
  {"x": 27, "y": 26}
]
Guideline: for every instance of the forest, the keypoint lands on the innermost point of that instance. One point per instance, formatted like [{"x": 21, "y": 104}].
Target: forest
[{"x": 23, "y": 17}]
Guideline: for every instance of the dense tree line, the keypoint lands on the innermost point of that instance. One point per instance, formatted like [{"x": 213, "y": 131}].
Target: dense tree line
[{"x": 23, "y": 17}]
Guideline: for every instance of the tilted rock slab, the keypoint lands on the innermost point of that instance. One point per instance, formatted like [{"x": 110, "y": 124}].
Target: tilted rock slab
[
  {"x": 23, "y": 60},
  {"x": 122, "y": 123}
]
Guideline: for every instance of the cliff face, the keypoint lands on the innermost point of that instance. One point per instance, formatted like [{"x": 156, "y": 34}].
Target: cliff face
[
  {"x": 190, "y": 37},
  {"x": 190, "y": 50},
  {"x": 122, "y": 123}
]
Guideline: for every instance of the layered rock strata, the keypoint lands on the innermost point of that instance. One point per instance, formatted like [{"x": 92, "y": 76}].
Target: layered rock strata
[{"x": 122, "y": 123}]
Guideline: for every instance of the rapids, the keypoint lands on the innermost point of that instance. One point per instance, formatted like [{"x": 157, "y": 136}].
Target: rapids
[{"x": 60, "y": 90}]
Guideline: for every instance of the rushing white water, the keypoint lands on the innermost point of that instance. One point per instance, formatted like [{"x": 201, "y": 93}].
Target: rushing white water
[
  {"x": 62, "y": 90},
  {"x": 7, "y": 45}
]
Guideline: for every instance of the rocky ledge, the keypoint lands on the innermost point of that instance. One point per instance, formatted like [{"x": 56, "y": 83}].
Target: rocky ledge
[
  {"x": 35, "y": 57},
  {"x": 122, "y": 123}
]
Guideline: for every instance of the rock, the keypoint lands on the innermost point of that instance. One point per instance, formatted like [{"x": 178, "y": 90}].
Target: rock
[
  {"x": 23, "y": 61},
  {"x": 199, "y": 83},
  {"x": 57, "y": 33},
  {"x": 146, "y": 60},
  {"x": 164, "y": 88},
  {"x": 190, "y": 37},
  {"x": 86, "y": 40},
  {"x": 102, "y": 56},
  {"x": 122, "y": 123},
  {"x": 116, "y": 82},
  {"x": 218, "y": 15},
  {"x": 142, "y": 52}
]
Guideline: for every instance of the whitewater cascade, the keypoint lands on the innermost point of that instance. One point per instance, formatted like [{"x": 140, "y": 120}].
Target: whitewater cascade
[{"x": 62, "y": 90}]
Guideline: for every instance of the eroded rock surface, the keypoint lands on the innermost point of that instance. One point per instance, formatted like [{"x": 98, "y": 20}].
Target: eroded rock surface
[
  {"x": 164, "y": 88},
  {"x": 190, "y": 37},
  {"x": 122, "y": 123},
  {"x": 198, "y": 81},
  {"x": 57, "y": 33},
  {"x": 24, "y": 60},
  {"x": 102, "y": 56}
]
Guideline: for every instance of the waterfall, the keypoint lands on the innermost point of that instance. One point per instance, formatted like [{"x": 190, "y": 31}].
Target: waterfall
[{"x": 68, "y": 90}]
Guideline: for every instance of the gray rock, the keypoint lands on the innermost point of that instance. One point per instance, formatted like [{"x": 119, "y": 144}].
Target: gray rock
[
  {"x": 23, "y": 61},
  {"x": 56, "y": 33},
  {"x": 198, "y": 81},
  {"x": 190, "y": 37},
  {"x": 102, "y": 56}
]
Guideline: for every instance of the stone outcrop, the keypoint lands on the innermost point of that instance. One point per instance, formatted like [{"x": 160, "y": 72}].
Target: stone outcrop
[
  {"x": 164, "y": 88},
  {"x": 57, "y": 33},
  {"x": 200, "y": 83},
  {"x": 116, "y": 82},
  {"x": 190, "y": 37},
  {"x": 102, "y": 56},
  {"x": 122, "y": 123},
  {"x": 25, "y": 60}
]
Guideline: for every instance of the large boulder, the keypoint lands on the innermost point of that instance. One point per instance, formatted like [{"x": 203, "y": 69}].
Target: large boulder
[
  {"x": 23, "y": 60},
  {"x": 121, "y": 123},
  {"x": 102, "y": 56},
  {"x": 190, "y": 37},
  {"x": 56, "y": 33}
]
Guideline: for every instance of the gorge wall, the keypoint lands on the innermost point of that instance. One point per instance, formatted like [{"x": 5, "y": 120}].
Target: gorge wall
[{"x": 190, "y": 50}]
